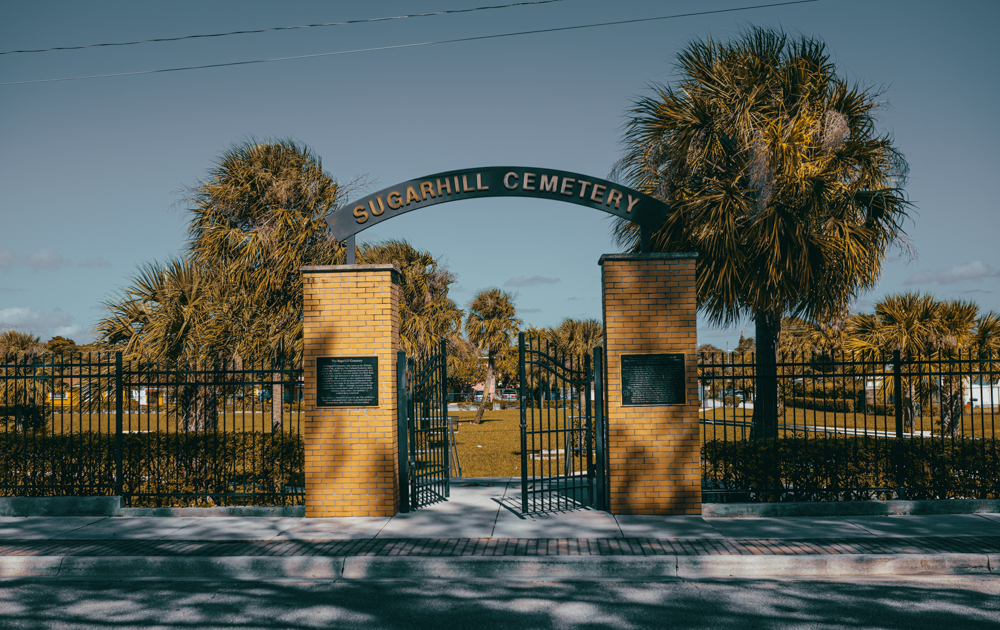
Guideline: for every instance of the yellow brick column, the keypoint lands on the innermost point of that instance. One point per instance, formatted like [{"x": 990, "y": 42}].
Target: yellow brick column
[
  {"x": 654, "y": 451},
  {"x": 351, "y": 465}
]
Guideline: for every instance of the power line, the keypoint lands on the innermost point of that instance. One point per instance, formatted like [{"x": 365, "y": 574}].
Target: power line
[
  {"x": 432, "y": 43},
  {"x": 280, "y": 28}
]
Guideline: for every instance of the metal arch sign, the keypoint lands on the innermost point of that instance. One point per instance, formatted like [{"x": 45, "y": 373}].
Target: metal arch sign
[{"x": 498, "y": 181}]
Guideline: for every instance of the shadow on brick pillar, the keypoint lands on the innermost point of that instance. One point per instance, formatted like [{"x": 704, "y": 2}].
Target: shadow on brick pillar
[
  {"x": 351, "y": 462},
  {"x": 654, "y": 441}
]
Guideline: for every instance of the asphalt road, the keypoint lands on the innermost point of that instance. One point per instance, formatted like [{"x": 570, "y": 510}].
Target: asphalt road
[{"x": 934, "y": 603}]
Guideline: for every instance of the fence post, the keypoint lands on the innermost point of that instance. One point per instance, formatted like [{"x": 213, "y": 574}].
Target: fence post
[
  {"x": 447, "y": 420},
  {"x": 524, "y": 420},
  {"x": 897, "y": 396},
  {"x": 403, "y": 430},
  {"x": 118, "y": 424},
  {"x": 897, "y": 392},
  {"x": 603, "y": 502}
]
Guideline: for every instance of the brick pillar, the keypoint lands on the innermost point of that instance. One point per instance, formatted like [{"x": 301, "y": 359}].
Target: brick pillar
[
  {"x": 654, "y": 451},
  {"x": 351, "y": 465}
]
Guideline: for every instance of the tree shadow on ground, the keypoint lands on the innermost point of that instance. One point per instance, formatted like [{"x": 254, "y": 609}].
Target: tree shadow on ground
[{"x": 959, "y": 603}]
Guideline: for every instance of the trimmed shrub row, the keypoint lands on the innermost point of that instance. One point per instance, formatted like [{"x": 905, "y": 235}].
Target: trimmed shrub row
[
  {"x": 835, "y": 468},
  {"x": 204, "y": 467}
]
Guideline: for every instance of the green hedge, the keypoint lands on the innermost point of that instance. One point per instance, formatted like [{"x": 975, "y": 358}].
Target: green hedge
[
  {"x": 201, "y": 465},
  {"x": 836, "y": 468}
]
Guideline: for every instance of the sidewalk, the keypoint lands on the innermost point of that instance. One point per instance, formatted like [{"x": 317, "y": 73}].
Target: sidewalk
[{"x": 480, "y": 533}]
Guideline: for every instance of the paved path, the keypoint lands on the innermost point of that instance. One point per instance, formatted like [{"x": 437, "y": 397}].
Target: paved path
[{"x": 481, "y": 532}]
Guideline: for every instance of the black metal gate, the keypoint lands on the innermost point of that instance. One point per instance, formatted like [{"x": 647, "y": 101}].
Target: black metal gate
[
  {"x": 562, "y": 434},
  {"x": 424, "y": 467}
]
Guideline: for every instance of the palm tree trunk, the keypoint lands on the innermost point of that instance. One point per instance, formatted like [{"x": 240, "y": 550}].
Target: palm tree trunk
[
  {"x": 765, "y": 406},
  {"x": 486, "y": 391},
  {"x": 277, "y": 404}
]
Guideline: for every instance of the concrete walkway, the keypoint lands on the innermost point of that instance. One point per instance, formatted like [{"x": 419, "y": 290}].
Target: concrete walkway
[{"x": 480, "y": 532}]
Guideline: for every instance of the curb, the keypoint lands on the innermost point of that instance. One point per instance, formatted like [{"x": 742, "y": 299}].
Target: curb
[
  {"x": 630, "y": 568},
  {"x": 850, "y": 508}
]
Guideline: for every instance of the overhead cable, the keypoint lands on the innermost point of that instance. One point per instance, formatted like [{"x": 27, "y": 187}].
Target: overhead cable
[
  {"x": 414, "y": 45},
  {"x": 280, "y": 28}
]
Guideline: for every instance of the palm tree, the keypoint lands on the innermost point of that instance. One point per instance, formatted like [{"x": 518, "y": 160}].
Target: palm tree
[
  {"x": 920, "y": 327},
  {"x": 236, "y": 297},
  {"x": 23, "y": 386},
  {"x": 573, "y": 340},
  {"x": 163, "y": 315},
  {"x": 491, "y": 324},
  {"x": 426, "y": 313},
  {"x": 13, "y": 342},
  {"x": 577, "y": 337},
  {"x": 258, "y": 218},
  {"x": 776, "y": 176},
  {"x": 169, "y": 314}
]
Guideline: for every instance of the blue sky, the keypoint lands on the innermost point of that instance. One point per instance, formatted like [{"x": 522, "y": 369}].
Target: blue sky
[{"x": 92, "y": 172}]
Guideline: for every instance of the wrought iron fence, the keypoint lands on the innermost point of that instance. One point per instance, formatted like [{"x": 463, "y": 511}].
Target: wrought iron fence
[
  {"x": 157, "y": 434},
  {"x": 851, "y": 428}
]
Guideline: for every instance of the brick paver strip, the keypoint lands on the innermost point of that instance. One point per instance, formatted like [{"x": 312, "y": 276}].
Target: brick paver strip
[{"x": 454, "y": 547}]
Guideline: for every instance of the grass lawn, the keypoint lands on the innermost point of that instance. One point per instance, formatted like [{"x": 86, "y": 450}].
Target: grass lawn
[
  {"x": 104, "y": 422},
  {"x": 490, "y": 449},
  {"x": 974, "y": 422}
]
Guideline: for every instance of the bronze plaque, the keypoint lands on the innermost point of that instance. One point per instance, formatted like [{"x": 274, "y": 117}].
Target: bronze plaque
[
  {"x": 653, "y": 379},
  {"x": 347, "y": 382}
]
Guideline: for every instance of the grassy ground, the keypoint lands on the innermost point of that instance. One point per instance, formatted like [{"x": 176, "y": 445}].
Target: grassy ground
[
  {"x": 973, "y": 422},
  {"x": 492, "y": 448},
  {"x": 104, "y": 422}
]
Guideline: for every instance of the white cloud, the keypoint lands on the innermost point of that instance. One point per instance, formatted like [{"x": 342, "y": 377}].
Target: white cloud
[
  {"x": 44, "y": 324},
  {"x": 975, "y": 270},
  {"x": 8, "y": 260},
  {"x": 94, "y": 262},
  {"x": 522, "y": 281},
  {"x": 45, "y": 259},
  {"x": 529, "y": 310}
]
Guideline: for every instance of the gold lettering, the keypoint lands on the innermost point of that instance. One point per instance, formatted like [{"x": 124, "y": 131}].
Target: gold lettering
[
  {"x": 426, "y": 188},
  {"x": 567, "y": 183},
  {"x": 615, "y": 196},
  {"x": 361, "y": 214},
  {"x": 598, "y": 193},
  {"x": 529, "y": 181},
  {"x": 381, "y": 206},
  {"x": 397, "y": 203},
  {"x": 457, "y": 189},
  {"x": 465, "y": 184},
  {"x": 479, "y": 182},
  {"x": 371, "y": 204},
  {"x": 447, "y": 186},
  {"x": 548, "y": 185},
  {"x": 506, "y": 181},
  {"x": 411, "y": 195},
  {"x": 583, "y": 188},
  {"x": 631, "y": 203}
]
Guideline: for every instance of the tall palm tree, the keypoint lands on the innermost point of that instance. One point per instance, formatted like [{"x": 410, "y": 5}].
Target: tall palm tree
[
  {"x": 776, "y": 175},
  {"x": 490, "y": 324},
  {"x": 258, "y": 218}
]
